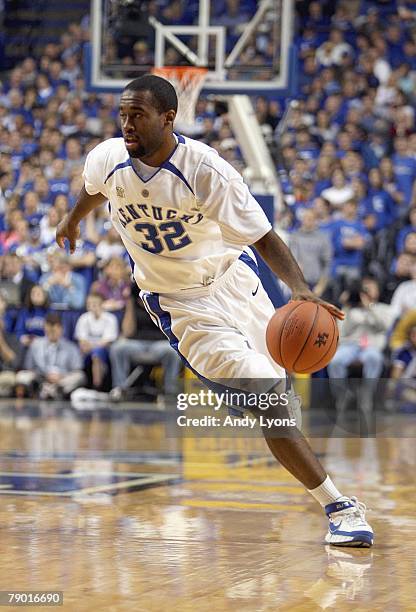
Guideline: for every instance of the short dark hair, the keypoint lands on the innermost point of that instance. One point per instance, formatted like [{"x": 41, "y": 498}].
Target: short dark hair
[
  {"x": 163, "y": 93},
  {"x": 96, "y": 294},
  {"x": 53, "y": 318}
]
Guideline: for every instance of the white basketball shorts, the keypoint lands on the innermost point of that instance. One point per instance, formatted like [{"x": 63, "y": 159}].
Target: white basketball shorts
[{"x": 220, "y": 330}]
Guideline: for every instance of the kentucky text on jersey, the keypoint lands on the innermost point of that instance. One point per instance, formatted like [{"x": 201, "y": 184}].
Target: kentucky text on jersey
[{"x": 131, "y": 212}]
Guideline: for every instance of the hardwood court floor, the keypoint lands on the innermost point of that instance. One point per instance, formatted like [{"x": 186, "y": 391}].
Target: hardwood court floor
[{"x": 108, "y": 510}]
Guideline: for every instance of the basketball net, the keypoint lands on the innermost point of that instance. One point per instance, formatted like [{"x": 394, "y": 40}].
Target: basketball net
[{"x": 188, "y": 82}]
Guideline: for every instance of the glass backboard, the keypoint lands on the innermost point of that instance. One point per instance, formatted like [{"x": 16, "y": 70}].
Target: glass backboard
[{"x": 245, "y": 44}]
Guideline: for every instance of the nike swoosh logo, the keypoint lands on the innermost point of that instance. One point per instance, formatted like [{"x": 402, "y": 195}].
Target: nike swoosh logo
[
  {"x": 333, "y": 527},
  {"x": 254, "y": 292}
]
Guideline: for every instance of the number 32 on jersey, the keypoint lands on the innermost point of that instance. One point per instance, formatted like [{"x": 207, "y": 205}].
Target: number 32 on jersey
[{"x": 170, "y": 235}]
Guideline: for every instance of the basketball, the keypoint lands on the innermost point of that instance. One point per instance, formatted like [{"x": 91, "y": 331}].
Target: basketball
[{"x": 302, "y": 337}]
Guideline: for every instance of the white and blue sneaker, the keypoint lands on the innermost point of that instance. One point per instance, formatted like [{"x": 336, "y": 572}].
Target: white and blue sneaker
[{"x": 347, "y": 524}]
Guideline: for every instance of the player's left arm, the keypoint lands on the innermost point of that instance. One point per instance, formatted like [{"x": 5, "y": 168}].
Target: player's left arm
[{"x": 281, "y": 261}]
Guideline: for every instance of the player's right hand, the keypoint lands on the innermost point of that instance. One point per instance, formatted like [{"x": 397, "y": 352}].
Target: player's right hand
[{"x": 67, "y": 231}]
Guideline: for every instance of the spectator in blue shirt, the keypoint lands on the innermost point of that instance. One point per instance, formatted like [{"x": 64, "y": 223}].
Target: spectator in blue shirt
[
  {"x": 83, "y": 261},
  {"x": 31, "y": 318},
  {"x": 404, "y": 168},
  {"x": 349, "y": 238},
  {"x": 66, "y": 289},
  {"x": 59, "y": 183},
  {"x": 407, "y": 229},
  {"x": 11, "y": 352},
  {"x": 41, "y": 186},
  {"x": 31, "y": 207},
  {"x": 390, "y": 183},
  {"x": 380, "y": 204},
  {"x": 395, "y": 41}
]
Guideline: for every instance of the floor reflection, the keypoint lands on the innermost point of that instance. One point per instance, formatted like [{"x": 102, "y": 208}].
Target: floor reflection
[{"x": 105, "y": 507}]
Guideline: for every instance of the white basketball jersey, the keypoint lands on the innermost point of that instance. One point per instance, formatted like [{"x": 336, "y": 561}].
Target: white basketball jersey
[{"x": 185, "y": 225}]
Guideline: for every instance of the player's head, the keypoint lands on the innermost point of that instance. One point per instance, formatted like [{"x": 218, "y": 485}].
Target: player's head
[{"x": 148, "y": 108}]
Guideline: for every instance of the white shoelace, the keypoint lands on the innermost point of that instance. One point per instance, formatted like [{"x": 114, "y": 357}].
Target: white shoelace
[{"x": 352, "y": 514}]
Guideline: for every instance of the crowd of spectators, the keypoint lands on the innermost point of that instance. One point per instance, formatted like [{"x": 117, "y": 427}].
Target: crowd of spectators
[
  {"x": 349, "y": 210},
  {"x": 62, "y": 319},
  {"x": 350, "y": 158}
]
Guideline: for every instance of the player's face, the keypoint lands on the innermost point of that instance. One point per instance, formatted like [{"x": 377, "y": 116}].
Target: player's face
[{"x": 143, "y": 127}]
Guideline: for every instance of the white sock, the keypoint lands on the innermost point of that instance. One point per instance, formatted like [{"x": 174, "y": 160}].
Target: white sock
[{"x": 326, "y": 493}]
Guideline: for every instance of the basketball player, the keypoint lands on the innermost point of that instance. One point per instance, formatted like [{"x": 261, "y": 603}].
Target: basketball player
[{"x": 187, "y": 219}]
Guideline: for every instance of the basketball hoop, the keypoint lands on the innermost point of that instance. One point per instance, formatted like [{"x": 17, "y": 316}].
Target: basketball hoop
[{"x": 188, "y": 82}]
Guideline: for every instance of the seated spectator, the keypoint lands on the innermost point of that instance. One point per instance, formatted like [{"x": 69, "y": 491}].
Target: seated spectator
[
  {"x": 7, "y": 315},
  {"x": 349, "y": 237},
  {"x": 61, "y": 204},
  {"x": 83, "y": 261},
  {"x": 313, "y": 251},
  {"x": 58, "y": 181},
  {"x": 331, "y": 52},
  {"x": 31, "y": 251},
  {"x": 73, "y": 154},
  {"x": 400, "y": 333},
  {"x": 404, "y": 358},
  {"x": 407, "y": 229},
  {"x": 95, "y": 331},
  {"x": 400, "y": 271},
  {"x": 52, "y": 362},
  {"x": 109, "y": 246},
  {"x": 363, "y": 336},
  {"x": 141, "y": 343},
  {"x": 41, "y": 186},
  {"x": 380, "y": 204},
  {"x": 402, "y": 385},
  {"x": 14, "y": 277},
  {"x": 114, "y": 286},
  {"x": 390, "y": 184},
  {"x": 30, "y": 207},
  {"x": 65, "y": 288},
  {"x": 339, "y": 192},
  {"x": 404, "y": 297},
  {"x": 30, "y": 323},
  {"x": 11, "y": 352},
  {"x": 48, "y": 226},
  {"x": 323, "y": 130},
  {"x": 409, "y": 246},
  {"x": 324, "y": 216},
  {"x": 404, "y": 168},
  {"x": 19, "y": 235}
]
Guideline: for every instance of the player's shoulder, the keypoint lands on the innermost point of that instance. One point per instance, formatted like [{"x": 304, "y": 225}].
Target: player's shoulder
[
  {"x": 111, "y": 150},
  {"x": 207, "y": 160}
]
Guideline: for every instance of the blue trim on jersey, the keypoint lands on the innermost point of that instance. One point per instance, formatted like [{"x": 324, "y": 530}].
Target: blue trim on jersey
[
  {"x": 165, "y": 324},
  {"x": 124, "y": 164},
  {"x": 143, "y": 180},
  {"x": 251, "y": 263},
  {"x": 167, "y": 165}
]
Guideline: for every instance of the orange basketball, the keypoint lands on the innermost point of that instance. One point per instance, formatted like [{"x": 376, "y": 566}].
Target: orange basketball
[{"x": 302, "y": 337}]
